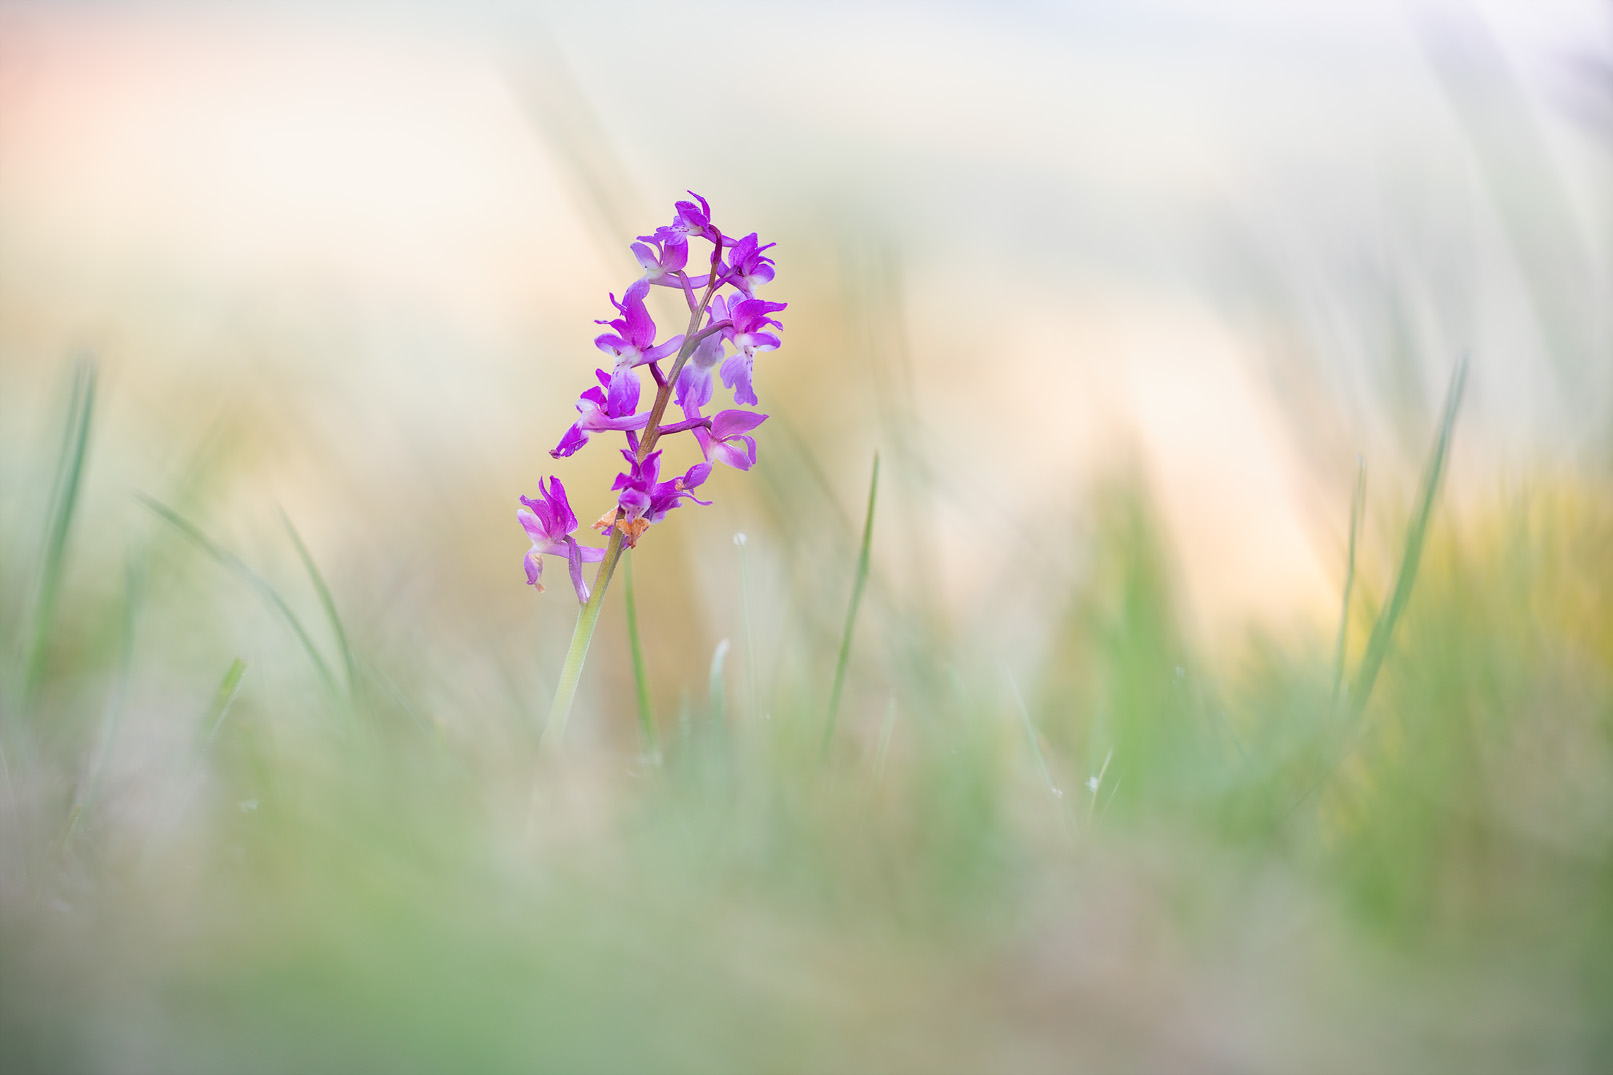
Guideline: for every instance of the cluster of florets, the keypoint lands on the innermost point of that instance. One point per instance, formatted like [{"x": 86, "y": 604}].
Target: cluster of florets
[{"x": 728, "y": 326}]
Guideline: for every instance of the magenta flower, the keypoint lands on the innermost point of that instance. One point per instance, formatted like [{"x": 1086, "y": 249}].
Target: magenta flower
[
  {"x": 632, "y": 344},
  {"x": 599, "y": 415},
  {"x": 643, "y": 499},
  {"x": 749, "y": 318},
  {"x": 550, "y": 523},
  {"x": 748, "y": 267},
  {"x": 665, "y": 261},
  {"x": 728, "y": 439},
  {"x": 688, "y": 220}
]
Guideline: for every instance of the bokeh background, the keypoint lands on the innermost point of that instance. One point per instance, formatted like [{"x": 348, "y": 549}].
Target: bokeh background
[{"x": 1123, "y": 295}]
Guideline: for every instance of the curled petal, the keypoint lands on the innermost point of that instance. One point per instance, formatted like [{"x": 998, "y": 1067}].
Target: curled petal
[
  {"x": 538, "y": 529},
  {"x": 696, "y": 475},
  {"x": 648, "y": 259},
  {"x": 534, "y": 569},
  {"x": 573, "y": 439},
  {"x": 640, "y": 328},
  {"x": 564, "y": 520}
]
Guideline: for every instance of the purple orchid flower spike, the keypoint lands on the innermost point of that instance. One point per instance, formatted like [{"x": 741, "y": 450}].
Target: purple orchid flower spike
[
  {"x": 632, "y": 344},
  {"x": 749, "y": 317},
  {"x": 728, "y": 326},
  {"x": 598, "y": 415},
  {"x": 549, "y": 522}
]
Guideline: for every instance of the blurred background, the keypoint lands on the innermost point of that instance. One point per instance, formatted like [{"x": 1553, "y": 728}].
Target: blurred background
[{"x": 1123, "y": 294}]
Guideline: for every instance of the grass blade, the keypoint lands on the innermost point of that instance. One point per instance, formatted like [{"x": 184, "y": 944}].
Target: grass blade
[
  {"x": 641, "y": 681},
  {"x": 228, "y": 688},
  {"x": 1383, "y": 630},
  {"x": 63, "y": 505},
  {"x": 329, "y": 603},
  {"x": 232, "y": 563},
  {"x": 857, "y": 585},
  {"x": 1357, "y": 507}
]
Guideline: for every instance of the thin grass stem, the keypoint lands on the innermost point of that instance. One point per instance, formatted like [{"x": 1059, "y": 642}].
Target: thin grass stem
[
  {"x": 329, "y": 603},
  {"x": 1383, "y": 629},
  {"x": 64, "y": 502},
  {"x": 1357, "y": 508},
  {"x": 860, "y": 580},
  {"x": 1416, "y": 535},
  {"x": 554, "y": 729},
  {"x": 641, "y": 681}
]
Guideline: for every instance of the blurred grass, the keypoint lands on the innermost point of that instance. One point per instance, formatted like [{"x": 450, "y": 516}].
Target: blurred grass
[{"x": 266, "y": 894}]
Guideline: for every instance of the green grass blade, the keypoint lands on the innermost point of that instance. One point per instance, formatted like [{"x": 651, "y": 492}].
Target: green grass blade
[
  {"x": 641, "y": 681},
  {"x": 1383, "y": 630},
  {"x": 230, "y": 562},
  {"x": 228, "y": 688},
  {"x": 63, "y": 505},
  {"x": 857, "y": 585},
  {"x": 1357, "y": 507},
  {"x": 329, "y": 604}
]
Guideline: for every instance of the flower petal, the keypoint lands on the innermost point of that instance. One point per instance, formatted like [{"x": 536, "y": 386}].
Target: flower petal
[
  {"x": 573, "y": 439},
  {"x": 574, "y": 557},
  {"x": 732, "y": 423},
  {"x": 736, "y": 374}
]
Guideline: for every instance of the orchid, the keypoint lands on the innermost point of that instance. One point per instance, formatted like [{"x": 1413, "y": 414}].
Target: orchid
[
  {"x": 750, "y": 267},
  {"x": 632, "y": 344},
  {"x": 748, "y": 317},
  {"x": 549, "y": 522},
  {"x": 728, "y": 327},
  {"x": 598, "y": 415},
  {"x": 727, "y": 438},
  {"x": 644, "y": 499}
]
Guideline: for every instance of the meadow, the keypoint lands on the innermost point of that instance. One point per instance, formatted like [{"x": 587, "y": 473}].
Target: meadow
[{"x": 275, "y": 793}]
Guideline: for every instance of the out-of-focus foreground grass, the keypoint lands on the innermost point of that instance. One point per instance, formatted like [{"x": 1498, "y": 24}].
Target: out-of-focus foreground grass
[{"x": 1135, "y": 860}]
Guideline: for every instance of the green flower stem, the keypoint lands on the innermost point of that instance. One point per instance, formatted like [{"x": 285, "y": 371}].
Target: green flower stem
[{"x": 555, "y": 730}]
